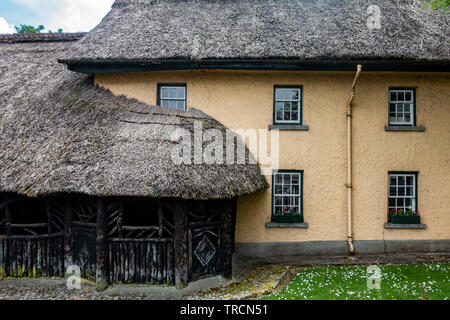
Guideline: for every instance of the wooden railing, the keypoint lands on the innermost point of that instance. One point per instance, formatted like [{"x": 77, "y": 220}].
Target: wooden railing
[
  {"x": 32, "y": 256},
  {"x": 148, "y": 261}
]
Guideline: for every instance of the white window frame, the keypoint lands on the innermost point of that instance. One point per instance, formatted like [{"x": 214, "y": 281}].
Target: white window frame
[
  {"x": 299, "y": 106},
  {"x": 413, "y": 197},
  {"x": 398, "y": 103},
  {"x": 287, "y": 195},
  {"x": 163, "y": 86}
]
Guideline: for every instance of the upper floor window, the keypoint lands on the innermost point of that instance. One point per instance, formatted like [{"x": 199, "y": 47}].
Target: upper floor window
[
  {"x": 288, "y": 105},
  {"x": 172, "y": 96},
  {"x": 402, "y": 107},
  {"x": 402, "y": 191}
]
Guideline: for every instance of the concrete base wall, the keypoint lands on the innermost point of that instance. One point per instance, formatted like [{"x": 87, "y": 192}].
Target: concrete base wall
[{"x": 312, "y": 248}]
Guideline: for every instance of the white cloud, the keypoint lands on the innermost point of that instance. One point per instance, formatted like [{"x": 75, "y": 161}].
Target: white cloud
[
  {"x": 5, "y": 27},
  {"x": 70, "y": 15}
]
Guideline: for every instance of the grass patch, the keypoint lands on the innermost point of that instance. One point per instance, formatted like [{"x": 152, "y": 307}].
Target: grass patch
[{"x": 398, "y": 282}]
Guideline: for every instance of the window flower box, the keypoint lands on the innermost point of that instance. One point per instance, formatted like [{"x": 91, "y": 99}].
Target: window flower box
[
  {"x": 404, "y": 217},
  {"x": 288, "y": 217}
]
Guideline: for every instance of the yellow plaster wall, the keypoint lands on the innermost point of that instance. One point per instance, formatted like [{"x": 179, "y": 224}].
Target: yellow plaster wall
[{"x": 244, "y": 100}]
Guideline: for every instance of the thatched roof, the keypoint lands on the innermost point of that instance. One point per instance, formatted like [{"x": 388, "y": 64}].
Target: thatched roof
[
  {"x": 319, "y": 30},
  {"x": 60, "y": 133},
  {"x": 40, "y": 37}
]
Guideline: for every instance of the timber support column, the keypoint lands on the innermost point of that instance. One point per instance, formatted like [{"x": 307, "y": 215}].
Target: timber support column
[
  {"x": 7, "y": 252},
  {"x": 180, "y": 244},
  {"x": 68, "y": 245},
  {"x": 102, "y": 282},
  {"x": 227, "y": 222}
]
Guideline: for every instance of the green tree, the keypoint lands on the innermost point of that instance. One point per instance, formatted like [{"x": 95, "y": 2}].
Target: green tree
[
  {"x": 23, "y": 28},
  {"x": 443, "y": 5}
]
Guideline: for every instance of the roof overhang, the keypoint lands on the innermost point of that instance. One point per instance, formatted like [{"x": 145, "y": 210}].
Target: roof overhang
[{"x": 113, "y": 66}]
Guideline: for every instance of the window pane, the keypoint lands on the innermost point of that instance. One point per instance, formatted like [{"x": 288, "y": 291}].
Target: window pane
[
  {"x": 409, "y": 191},
  {"x": 407, "y": 117},
  {"x": 392, "y": 191},
  {"x": 287, "y": 179},
  {"x": 295, "y": 94},
  {"x": 407, "y": 202},
  {"x": 279, "y": 106},
  {"x": 400, "y": 96},
  {"x": 278, "y": 201},
  {"x": 409, "y": 180},
  {"x": 393, "y": 96},
  {"x": 278, "y": 189},
  {"x": 408, "y": 96},
  {"x": 181, "y": 104},
  {"x": 401, "y": 181},
  {"x": 180, "y": 93},
  {"x": 164, "y": 93},
  {"x": 278, "y": 178},
  {"x": 287, "y": 106},
  {"x": 295, "y": 189},
  {"x": 295, "y": 179},
  {"x": 400, "y": 203},
  {"x": 286, "y": 189}
]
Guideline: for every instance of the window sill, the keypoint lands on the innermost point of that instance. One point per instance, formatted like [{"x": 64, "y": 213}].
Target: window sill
[
  {"x": 303, "y": 225},
  {"x": 294, "y": 127},
  {"x": 404, "y": 226},
  {"x": 404, "y": 128}
]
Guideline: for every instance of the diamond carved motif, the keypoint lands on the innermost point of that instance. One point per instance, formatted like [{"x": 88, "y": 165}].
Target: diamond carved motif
[{"x": 205, "y": 250}]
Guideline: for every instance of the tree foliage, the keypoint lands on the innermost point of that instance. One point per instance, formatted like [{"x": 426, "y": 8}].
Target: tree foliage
[
  {"x": 24, "y": 28},
  {"x": 443, "y": 5}
]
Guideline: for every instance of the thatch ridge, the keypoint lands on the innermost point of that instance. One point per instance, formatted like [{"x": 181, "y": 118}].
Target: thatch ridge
[
  {"x": 306, "y": 30},
  {"x": 40, "y": 37},
  {"x": 60, "y": 133}
]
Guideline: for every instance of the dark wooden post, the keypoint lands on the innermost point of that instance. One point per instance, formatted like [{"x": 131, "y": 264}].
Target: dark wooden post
[
  {"x": 68, "y": 244},
  {"x": 227, "y": 222},
  {"x": 8, "y": 241},
  {"x": 102, "y": 247},
  {"x": 181, "y": 245}
]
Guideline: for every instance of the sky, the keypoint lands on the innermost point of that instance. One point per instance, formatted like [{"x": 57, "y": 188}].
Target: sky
[{"x": 70, "y": 15}]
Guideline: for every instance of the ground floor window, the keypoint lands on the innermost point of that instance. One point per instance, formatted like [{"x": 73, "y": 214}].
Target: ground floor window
[
  {"x": 402, "y": 191},
  {"x": 287, "y": 193}
]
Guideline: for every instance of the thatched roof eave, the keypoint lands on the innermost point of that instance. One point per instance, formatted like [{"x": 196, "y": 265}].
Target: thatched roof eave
[
  {"x": 201, "y": 30},
  {"x": 70, "y": 136}
]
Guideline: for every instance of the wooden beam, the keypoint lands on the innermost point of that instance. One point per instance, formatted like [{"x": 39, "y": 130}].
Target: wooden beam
[
  {"x": 102, "y": 274},
  {"x": 68, "y": 239},
  {"x": 227, "y": 218},
  {"x": 181, "y": 244},
  {"x": 7, "y": 249}
]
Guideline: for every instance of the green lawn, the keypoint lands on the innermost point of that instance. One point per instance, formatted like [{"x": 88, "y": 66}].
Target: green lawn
[{"x": 399, "y": 282}]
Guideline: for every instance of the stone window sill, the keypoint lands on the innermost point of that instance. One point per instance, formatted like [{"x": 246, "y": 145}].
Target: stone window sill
[
  {"x": 303, "y": 225},
  {"x": 404, "y": 128},
  {"x": 404, "y": 226},
  {"x": 294, "y": 127}
]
